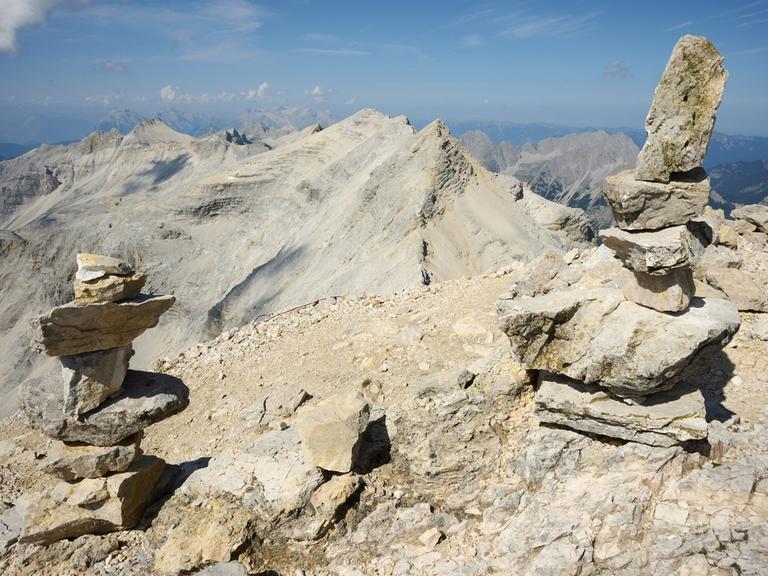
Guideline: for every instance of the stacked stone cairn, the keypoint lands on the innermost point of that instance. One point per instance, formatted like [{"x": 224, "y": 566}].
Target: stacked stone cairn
[
  {"x": 94, "y": 407},
  {"x": 612, "y": 357}
]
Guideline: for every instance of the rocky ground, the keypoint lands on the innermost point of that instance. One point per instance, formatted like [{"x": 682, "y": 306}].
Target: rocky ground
[{"x": 455, "y": 475}]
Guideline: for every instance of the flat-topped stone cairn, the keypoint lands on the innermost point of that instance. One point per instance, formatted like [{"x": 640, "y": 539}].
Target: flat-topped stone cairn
[
  {"x": 611, "y": 359},
  {"x": 95, "y": 404},
  {"x": 682, "y": 115}
]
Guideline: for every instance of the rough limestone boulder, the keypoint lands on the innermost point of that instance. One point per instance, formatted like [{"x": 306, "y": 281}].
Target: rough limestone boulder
[
  {"x": 739, "y": 287},
  {"x": 91, "y": 378},
  {"x": 596, "y": 336},
  {"x": 664, "y": 419},
  {"x": 109, "y": 288},
  {"x": 145, "y": 398},
  {"x": 755, "y": 214},
  {"x": 682, "y": 115},
  {"x": 74, "y": 329},
  {"x": 654, "y": 252},
  {"x": 670, "y": 292},
  {"x": 330, "y": 432},
  {"x": 75, "y": 461},
  {"x": 93, "y": 505},
  {"x": 639, "y": 205},
  {"x": 93, "y": 266}
]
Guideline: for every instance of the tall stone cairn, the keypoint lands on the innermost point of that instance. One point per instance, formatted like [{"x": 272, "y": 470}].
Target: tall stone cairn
[
  {"x": 612, "y": 357},
  {"x": 96, "y": 408}
]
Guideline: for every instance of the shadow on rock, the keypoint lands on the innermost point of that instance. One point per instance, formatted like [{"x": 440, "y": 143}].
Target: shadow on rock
[
  {"x": 375, "y": 447},
  {"x": 710, "y": 372}
]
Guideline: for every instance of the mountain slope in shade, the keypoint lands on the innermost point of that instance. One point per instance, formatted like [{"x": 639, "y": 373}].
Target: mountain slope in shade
[
  {"x": 739, "y": 183},
  {"x": 568, "y": 170},
  {"x": 239, "y": 230}
]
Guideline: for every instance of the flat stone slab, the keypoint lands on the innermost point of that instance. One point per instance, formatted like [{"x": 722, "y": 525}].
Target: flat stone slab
[
  {"x": 596, "y": 336},
  {"x": 654, "y": 252},
  {"x": 639, "y": 205},
  {"x": 93, "y": 505},
  {"x": 682, "y": 115},
  {"x": 76, "y": 461},
  {"x": 145, "y": 398},
  {"x": 93, "y": 266},
  {"x": 73, "y": 329},
  {"x": 109, "y": 288},
  {"x": 663, "y": 419}
]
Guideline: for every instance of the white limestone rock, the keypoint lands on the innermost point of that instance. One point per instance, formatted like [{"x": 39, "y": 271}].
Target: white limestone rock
[
  {"x": 596, "y": 336},
  {"x": 330, "y": 431},
  {"x": 662, "y": 419},
  {"x": 93, "y": 266},
  {"x": 682, "y": 115},
  {"x": 755, "y": 214},
  {"x": 670, "y": 292},
  {"x": 639, "y": 205},
  {"x": 654, "y": 252},
  {"x": 92, "y": 377},
  {"x": 739, "y": 287}
]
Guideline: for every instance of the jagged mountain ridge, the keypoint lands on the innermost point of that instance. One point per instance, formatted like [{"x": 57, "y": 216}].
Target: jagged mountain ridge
[
  {"x": 239, "y": 230},
  {"x": 569, "y": 169}
]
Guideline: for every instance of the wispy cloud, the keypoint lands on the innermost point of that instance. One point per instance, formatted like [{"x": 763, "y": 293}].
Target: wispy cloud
[
  {"x": 320, "y": 38},
  {"x": 103, "y": 99},
  {"x": 522, "y": 26},
  {"x": 17, "y": 14},
  {"x": 752, "y": 22},
  {"x": 679, "y": 26},
  {"x": 334, "y": 51},
  {"x": 617, "y": 69},
  {"x": 473, "y": 41},
  {"x": 317, "y": 93},
  {"x": 112, "y": 66},
  {"x": 257, "y": 93},
  {"x": 747, "y": 51}
]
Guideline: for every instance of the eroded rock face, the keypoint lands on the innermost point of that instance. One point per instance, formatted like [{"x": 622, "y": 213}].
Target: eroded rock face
[
  {"x": 330, "y": 432},
  {"x": 596, "y": 336},
  {"x": 145, "y": 398},
  {"x": 670, "y": 292},
  {"x": 74, "y": 329},
  {"x": 109, "y": 288},
  {"x": 665, "y": 419},
  {"x": 91, "y": 378},
  {"x": 682, "y": 115},
  {"x": 639, "y": 205},
  {"x": 75, "y": 461},
  {"x": 654, "y": 252},
  {"x": 93, "y": 505}
]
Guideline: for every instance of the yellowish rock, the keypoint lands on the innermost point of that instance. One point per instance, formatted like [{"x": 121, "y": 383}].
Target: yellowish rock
[{"x": 109, "y": 288}]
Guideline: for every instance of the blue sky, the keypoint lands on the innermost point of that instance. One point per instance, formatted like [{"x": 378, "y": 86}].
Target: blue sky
[{"x": 580, "y": 63}]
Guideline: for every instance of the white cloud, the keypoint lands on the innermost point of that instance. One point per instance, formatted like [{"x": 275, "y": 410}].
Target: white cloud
[
  {"x": 318, "y": 93},
  {"x": 617, "y": 69},
  {"x": 259, "y": 92},
  {"x": 111, "y": 65},
  {"x": 104, "y": 99},
  {"x": 16, "y": 14},
  {"x": 168, "y": 93}
]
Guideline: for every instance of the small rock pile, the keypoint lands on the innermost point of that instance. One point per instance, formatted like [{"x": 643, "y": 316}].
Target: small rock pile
[
  {"x": 612, "y": 357},
  {"x": 97, "y": 407}
]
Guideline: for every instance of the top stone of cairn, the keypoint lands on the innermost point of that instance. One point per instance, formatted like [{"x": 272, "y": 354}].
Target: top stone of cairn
[
  {"x": 682, "y": 115},
  {"x": 93, "y": 266}
]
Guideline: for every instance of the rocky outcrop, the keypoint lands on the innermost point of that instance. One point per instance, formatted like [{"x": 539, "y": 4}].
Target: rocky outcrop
[
  {"x": 682, "y": 116},
  {"x": 616, "y": 356},
  {"x": 102, "y": 411}
]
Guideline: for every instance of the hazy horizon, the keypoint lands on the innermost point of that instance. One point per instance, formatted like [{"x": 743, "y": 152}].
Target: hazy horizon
[{"x": 577, "y": 64}]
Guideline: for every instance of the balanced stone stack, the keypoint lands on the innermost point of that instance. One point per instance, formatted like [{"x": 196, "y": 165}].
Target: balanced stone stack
[
  {"x": 612, "y": 358},
  {"x": 95, "y": 406}
]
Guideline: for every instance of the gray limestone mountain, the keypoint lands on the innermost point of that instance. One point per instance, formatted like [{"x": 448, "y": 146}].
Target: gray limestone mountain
[
  {"x": 236, "y": 230},
  {"x": 569, "y": 169}
]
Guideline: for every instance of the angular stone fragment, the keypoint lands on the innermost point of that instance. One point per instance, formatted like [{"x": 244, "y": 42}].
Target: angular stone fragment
[
  {"x": 93, "y": 266},
  {"x": 330, "y": 432},
  {"x": 598, "y": 336},
  {"x": 92, "y": 377},
  {"x": 654, "y": 252},
  {"x": 727, "y": 236},
  {"x": 740, "y": 288},
  {"x": 670, "y": 292},
  {"x": 682, "y": 115},
  {"x": 75, "y": 461},
  {"x": 145, "y": 398},
  {"x": 74, "y": 329},
  {"x": 109, "y": 288},
  {"x": 663, "y": 419},
  {"x": 93, "y": 506},
  {"x": 717, "y": 257},
  {"x": 755, "y": 214},
  {"x": 639, "y": 205}
]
